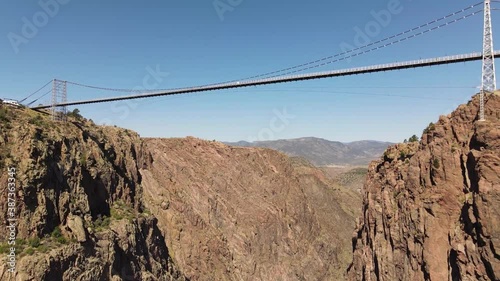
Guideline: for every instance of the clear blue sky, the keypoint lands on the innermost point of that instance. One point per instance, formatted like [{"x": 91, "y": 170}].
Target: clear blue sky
[{"x": 112, "y": 43}]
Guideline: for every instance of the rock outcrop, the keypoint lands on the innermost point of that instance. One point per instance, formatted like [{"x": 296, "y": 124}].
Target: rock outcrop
[
  {"x": 100, "y": 203},
  {"x": 233, "y": 213},
  {"x": 431, "y": 209},
  {"x": 78, "y": 202}
]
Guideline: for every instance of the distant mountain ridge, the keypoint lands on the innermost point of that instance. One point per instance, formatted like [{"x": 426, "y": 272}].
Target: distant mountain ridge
[{"x": 321, "y": 152}]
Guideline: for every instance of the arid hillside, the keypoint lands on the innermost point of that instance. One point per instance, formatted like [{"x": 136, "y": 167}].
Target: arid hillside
[
  {"x": 100, "y": 203},
  {"x": 77, "y": 203},
  {"x": 233, "y": 213},
  {"x": 321, "y": 152},
  {"x": 352, "y": 178},
  {"x": 431, "y": 209}
]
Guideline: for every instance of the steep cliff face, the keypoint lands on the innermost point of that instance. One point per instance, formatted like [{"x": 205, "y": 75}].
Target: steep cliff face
[
  {"x": 431, "y": 209},
  {"x": 99, "y": 203},
  {"x": 233, "y": 213},
  {"x": 77, "y": 201}
]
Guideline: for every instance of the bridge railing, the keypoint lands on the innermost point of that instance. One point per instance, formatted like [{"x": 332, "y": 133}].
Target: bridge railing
[
  {"x": 350, "y": 70},
  {"x": 288, "y": 78}
]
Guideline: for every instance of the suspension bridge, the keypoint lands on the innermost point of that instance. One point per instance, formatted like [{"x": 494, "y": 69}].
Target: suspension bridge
[{"x": 488, "y": 55}]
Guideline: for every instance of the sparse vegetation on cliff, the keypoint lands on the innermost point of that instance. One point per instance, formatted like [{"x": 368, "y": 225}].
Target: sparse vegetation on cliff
[
  {"x": 435, "y": 163},
  {"x": 430, "y": 128},
  {"x": 68, "y": 172},
  {"x": 95, "y": 195},
  {"x": 3, "y": 114},
  {"x": 413, "y": 138},
  {"x": 75, "y": 114}
]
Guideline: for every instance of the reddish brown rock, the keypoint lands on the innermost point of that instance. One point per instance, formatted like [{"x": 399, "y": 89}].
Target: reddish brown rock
[
  {"x": 215, "y": 212},
  {"x": 247, "y": 213},
  {"x": 431, "y": 210},
  {"x": 78, "y": 203}
]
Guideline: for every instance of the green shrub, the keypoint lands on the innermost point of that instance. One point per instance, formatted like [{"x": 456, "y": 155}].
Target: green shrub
[
  {"x": 61, "y": 240},
  {"x": 83, "y": 159},
  {"x": 121, "y": 210},
  {"x": 75, "y": 114},
  {"x": 102, "y": 223},
  {"x": 43, "y": 248},
  {"x": 30, "y": 251},
  {"x": 3, "y": 115},
  {"x": 34, "y": 242},
  {"x": 435, "y": 163},
  {"x": 430, "y": 128},
  {"x": 4, "y": 248},
  {"x": 37, "y": 120},
  {"x": 20, "y": 242},
  {"x": 396, "y": 193},
  {"x": 413, "y": 138},
  {"x": 116, "y": 215},
  {"x": 56, "y": 233},
  {"x": 120, "y": 204}
]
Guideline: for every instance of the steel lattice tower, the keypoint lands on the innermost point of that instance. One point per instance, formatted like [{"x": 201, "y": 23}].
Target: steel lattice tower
[
  {"x": 489, "y": 83},
  {"x": 59, "y": 95}
]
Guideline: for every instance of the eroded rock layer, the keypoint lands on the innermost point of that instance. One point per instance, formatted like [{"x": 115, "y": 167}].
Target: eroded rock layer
[
  {"x": 431, "y": 210},
  {"x": 100, "y": 203},
  {"x": 78, "y": 207},
  {"x": 232, "y": 213}
]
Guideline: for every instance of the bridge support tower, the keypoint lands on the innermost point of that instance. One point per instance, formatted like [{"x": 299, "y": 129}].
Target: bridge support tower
[
  {"x": 59, "y": 95},
  {"x": 488, "y": 84}
]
